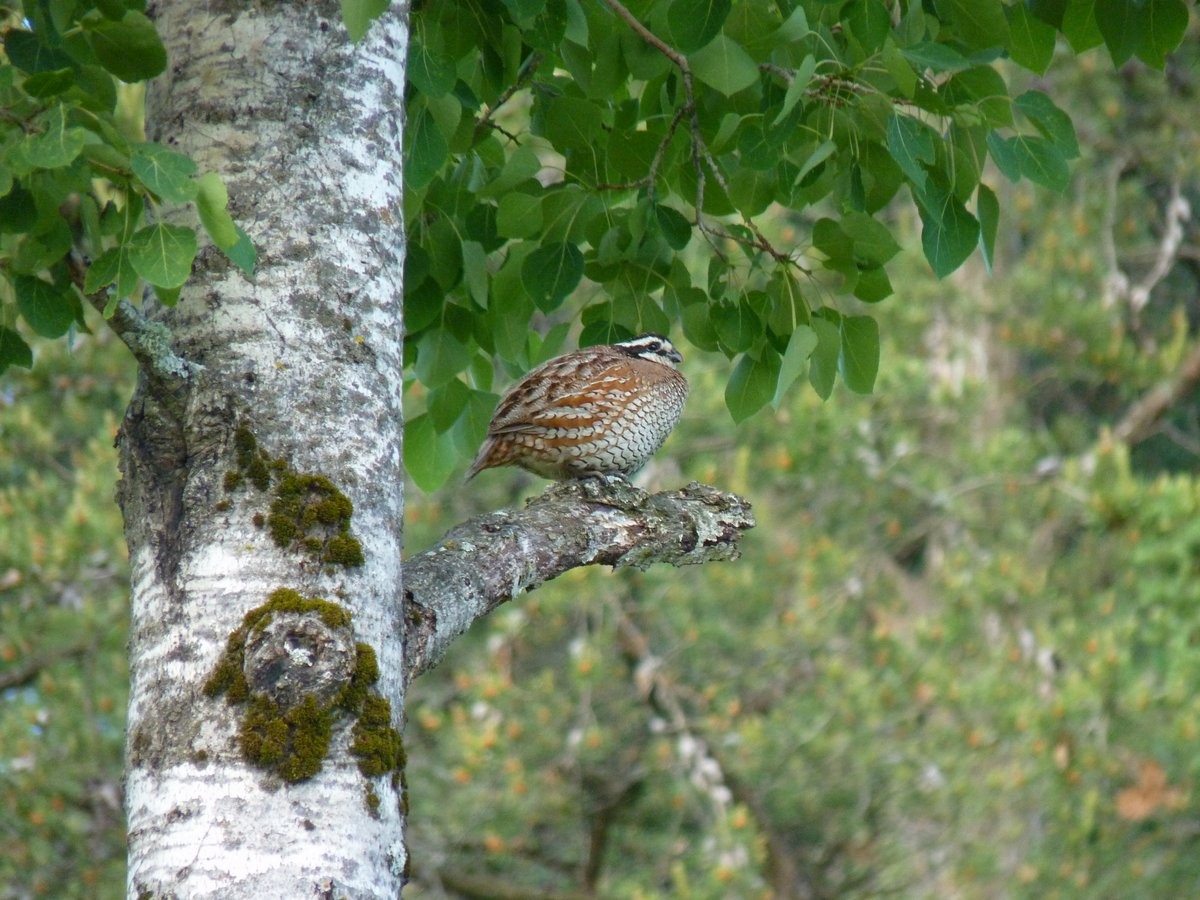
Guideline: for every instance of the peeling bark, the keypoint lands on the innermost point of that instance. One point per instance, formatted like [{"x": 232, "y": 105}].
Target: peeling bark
[{"x": 487, "y": 561}]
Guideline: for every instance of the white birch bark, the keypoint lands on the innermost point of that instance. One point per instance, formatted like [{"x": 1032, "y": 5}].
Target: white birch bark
[{"x": 306, "y": 130}]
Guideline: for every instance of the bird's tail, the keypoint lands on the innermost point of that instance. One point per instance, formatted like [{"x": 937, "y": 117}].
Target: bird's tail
[{"x": 482, "y": 459}]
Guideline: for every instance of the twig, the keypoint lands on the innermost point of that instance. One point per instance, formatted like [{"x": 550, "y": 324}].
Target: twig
[
  {"x": 149, "y": 342},
  {"x": 700, "y": 152},
  {"x": 651, "y": 177},
  {"x": 523, "y": 75}
]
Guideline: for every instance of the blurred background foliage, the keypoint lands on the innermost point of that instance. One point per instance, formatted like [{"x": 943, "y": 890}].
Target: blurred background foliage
[{"x": 957, "y": 659}]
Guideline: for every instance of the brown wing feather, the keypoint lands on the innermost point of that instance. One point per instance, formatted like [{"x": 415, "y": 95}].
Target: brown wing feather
[{"x": 562, "y": 382}]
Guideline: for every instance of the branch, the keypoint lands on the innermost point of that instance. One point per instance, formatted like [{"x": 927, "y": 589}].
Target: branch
[
  {"x": 701, "y": 154},
  {"x": 1119, "y": 286},
  {"x": 149, "y": 342},
  {"x": 26, "y": 673},
  {"x": 706, "y": 768},
  {"x": 1140, "y": 420},
  {"x": 528, "y": 68},
  {"x": 487, "y": 561}
]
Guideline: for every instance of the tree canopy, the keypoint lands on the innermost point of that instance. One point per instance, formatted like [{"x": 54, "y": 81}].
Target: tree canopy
[{"x": 635, "y": 149}]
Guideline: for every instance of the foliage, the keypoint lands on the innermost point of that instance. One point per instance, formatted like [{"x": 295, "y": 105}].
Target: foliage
[
  {"x": 63, "y": 621},
  {"x": 78, "y": 180},
  {"x": 636, "y": 149},
  {"x": 956, "y": 658}
]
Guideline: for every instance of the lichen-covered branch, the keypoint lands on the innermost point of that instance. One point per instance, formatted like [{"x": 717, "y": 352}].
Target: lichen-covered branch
[
  {"x": 487, "y": 561},
  {"x": 149, "y": 342}
]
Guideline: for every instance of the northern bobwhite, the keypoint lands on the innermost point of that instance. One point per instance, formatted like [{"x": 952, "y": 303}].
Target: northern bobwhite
[{"x": 597, "y": 411}]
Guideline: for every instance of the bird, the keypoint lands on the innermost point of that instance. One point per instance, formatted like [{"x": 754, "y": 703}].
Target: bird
[{"x": 602, "y": 410}]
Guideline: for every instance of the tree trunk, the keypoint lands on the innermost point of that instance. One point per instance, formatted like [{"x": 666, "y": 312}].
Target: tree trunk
[{"x": 299, "y": 375}]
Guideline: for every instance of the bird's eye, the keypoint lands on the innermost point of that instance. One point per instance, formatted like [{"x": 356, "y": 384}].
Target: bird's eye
[{"x": 654, "y": 346}]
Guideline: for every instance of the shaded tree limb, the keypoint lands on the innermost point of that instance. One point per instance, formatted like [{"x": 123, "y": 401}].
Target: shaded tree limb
[
  {"x": 1141, "y": 419},
  {"x": 487, "y": 561},
  {"x": 27, "y": 672},
  {"x": 783, "y": 862}
]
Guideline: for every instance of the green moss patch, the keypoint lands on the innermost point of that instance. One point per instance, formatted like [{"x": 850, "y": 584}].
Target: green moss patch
[
  {"x": 293, "y": 742},
  {"x": 307, "y": 513}
]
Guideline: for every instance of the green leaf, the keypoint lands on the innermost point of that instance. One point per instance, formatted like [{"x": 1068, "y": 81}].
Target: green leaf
[
  {"x": 870, "y": 22},
  {"x": 1041, "y": 162},
  {"x": 164, "y": 172},
  {"x": 50, "y": 84},
  {"x": 572, "y": 123},
  {"x": 1003, "y": 151},
  {"x": 987, "y": 208},
  {"x": 166, "y": 296},
  {"x": 523, "y": 165},
  {"x": 446, "y": 403},
  {"x": 243, "y": 253},
  {"x": 873, "y": 241},
  {"x": 429, "y": 457},
  {"x": 949, "y": 233},
  {"x": 837, "y": 246},
  {"x": 111, "y": 266},
  {"x": 801, "y": 79},
  {"x": 18, "y": 211},
  {"x": 823, "y": 362},
  {"x": 429, "y": 73},
  {"x": 519, "y": 215},
  {"x": 911, "y": 144},
  {"x": 26, "y": 51},
  {"x": 675, "y": 227},
  {"x": 736, "y": 324},
  {"x": 550, "y": 273},
  {"x": 1032, "y": 40},
  {"x": 1165, "y": 24},
  {"x": 724, "y": 66},
  {"x": 693, "y": 23},
  {"x": 48, "y": 310},
  {"x": 13, "y": 350},
  {"x": 752, "y": 384},
  {"x": 212, "y": 198},
  {"x": 795, "y": 361},
  {"x": 470, "y": 430},
  {"x": 475, "y": 271},
  {"x": 57, "y": 146},
  {"x": 980, "y": 23},
  {"x": 427, "y": 151},
  {"x": 873, "y": 285},
  {"x": 359, "y": 14},
  {"x": 440, "y": 357},
  {"x": 1052, "y": 122},
  {"x": 983, "y": 89},
  {"x": 510, "y": 308},
  {"x": 1079, "y": 25},
  {"x": 548, "y": 27},
  {"x": 1120, "y": 24},
  {"x": 129, "y": 48},
  {"x": 859, "y": 358},
  {"x": 163, "y": 254},
  {"x": 935, "y": 57}
]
